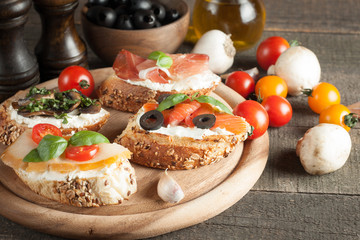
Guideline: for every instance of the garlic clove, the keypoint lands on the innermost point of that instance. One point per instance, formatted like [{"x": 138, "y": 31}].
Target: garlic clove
[{"x": 169, "y": 190}]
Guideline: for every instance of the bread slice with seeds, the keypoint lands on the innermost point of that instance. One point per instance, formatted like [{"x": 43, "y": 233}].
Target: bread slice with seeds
[
  {"x": 14, "y": 120},
  {"x": 178, "y": 147},
  {"x": 106, "y": 179}
]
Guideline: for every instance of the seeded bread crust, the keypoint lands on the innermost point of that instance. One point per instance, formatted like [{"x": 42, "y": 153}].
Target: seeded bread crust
[
  {"x": 10, "y": 130},
  {"x": 91, "y": 192},
  {"x": 162, "y": 151},
  {"x": 120, "y": 95}
]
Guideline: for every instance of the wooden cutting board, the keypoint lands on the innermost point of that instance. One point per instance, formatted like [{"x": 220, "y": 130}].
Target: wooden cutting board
[{"x": 209, "y": 190}]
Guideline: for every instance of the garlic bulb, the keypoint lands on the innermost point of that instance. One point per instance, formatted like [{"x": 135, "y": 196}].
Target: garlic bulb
[
  {"x": 220, "y": 49},
  {"x": 169, "y": 190}
]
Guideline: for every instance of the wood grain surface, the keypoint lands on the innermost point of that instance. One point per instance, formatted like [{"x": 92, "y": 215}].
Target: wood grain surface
[
  {"x": 286, "y": 202},
  {"x": 208, "y": 190}
]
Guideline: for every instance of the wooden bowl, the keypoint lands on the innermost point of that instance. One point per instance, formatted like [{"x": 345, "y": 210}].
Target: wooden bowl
[{"x": 107, "y": 42}]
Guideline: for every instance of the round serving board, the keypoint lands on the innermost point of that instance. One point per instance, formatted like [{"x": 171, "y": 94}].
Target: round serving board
[{"x": 209, "y": 190}]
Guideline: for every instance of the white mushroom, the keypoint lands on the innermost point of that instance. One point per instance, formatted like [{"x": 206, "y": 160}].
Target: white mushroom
[
  {"x": 324, "y": 148},
  {"x": 299, "y": 67}
]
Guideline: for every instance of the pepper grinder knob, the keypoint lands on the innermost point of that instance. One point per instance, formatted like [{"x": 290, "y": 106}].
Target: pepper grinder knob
[
  {"x": 18, "y": 68},
  {"x": 60, "y": 45}
]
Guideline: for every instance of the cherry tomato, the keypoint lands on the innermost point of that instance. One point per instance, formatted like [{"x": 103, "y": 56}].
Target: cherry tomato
[
  {"x": 81, "y": 153},
  {"x": 279, "y": 110},
  {"x": 241, "y": 82},
  {"x": 76, "y": 77},
  {"x": 42, "y": 129},
  {"x": 338, "y": 114},
  {"x": 322, "y": 96},
  {"x": 271, "y": 85},
  {"x": 269, "y": 51},
  {"x": 255, "y": 114}
]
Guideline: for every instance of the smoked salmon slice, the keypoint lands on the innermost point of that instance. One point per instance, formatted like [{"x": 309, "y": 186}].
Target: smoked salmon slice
[
  {"x": 231, "y": 123},
  {"x": 205, "y": 108},
  {"x": 181, "y": 111}
]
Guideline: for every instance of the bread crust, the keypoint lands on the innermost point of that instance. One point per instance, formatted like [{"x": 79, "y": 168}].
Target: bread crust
[
  {"x": 86, "y": 192},
  {"x": 10, "y": 130},
  {"x": 172, "y": 152},
  {"x": 120, "y": 95}
]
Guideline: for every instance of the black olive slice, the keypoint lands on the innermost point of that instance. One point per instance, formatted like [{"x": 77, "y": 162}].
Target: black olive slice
[
  {"x": 204, "y": 121},
  {"x": 151, "y": 120}
]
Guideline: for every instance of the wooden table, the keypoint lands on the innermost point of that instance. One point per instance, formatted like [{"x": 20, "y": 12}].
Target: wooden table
[{"x": 286, "y": 202}]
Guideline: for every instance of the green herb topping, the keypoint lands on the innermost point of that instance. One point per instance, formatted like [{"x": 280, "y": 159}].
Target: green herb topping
[
  {"x": 174, "y": 99},
  {"x": 53, "y": 146},
  {"x": 162, "y": 60}
]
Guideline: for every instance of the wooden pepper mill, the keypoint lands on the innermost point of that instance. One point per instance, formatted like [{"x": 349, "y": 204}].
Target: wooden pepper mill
[
  {"x": 60, "y": 45},
  {"x": 18, "y": 68}
]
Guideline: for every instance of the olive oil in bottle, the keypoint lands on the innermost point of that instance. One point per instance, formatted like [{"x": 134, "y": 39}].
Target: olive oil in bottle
[{"x": 243, "y": 19}]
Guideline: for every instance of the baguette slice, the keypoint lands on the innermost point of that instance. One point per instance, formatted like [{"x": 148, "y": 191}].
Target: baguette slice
[
  {"x": 168, "y": 151},
  {"x": 107, "y": 179},
  {"x": 118, "y": 94},
  {"x": 12, "y": 124},
  {"x": 137, "y": 80}
]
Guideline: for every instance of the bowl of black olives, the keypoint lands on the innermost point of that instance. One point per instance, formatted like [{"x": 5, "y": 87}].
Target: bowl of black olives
[{"x": 139, "y": 26}]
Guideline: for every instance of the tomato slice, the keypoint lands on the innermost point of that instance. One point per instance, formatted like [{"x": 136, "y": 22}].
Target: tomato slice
[
  {"x": 42, "y": 129},
  {"x": 81, "y": 153}
]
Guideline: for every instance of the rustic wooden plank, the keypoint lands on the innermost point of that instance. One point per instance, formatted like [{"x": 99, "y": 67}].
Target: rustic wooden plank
[{"x": 259, "y": 215}]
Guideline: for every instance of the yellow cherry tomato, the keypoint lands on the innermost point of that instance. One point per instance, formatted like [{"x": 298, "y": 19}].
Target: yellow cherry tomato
[
  {"x": 322, "y": 96},
  {"x": 335, "y": 114},
  {"x": 271, "y": 85}
]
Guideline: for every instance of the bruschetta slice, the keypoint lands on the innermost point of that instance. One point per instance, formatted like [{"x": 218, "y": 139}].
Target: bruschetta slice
[
  {"x": 183, "y": 132},
  {"x": 137, "y": 80},
  {"x": 70, "y": 111},
  {"x": 84, "y": 171}
]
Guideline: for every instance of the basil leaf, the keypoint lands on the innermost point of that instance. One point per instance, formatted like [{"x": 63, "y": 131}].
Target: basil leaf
[
  {"x": 213, "y": 101},
  {"x": 51, "y": 147},
  {"x": 155, "y": 55},
  {"x": 171, "y": 100},
  {"x": 162, "y": 60},
  {"x": 32, "y": 156},
  {"x": 88, "y": 138}
]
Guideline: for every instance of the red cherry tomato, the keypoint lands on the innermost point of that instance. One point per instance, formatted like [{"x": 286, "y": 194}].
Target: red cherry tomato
[
  {"x": 42, "y": 129},
  {"x": 278, "y": 109},
  {"x": 241, "y": 82},
  {"x": 255, "y": 114},
  {"x": 269, "y": 51},
  {"x": 76, "y": 77},
  {"x": 81, "y": 153}
]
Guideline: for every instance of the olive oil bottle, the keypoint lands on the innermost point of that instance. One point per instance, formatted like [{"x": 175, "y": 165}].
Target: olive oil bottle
[{"x": 243, "y": 19}]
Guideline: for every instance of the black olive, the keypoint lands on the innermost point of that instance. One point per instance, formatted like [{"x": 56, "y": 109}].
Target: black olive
[
  {"x": 92, "y": 13},
  {"x": 159, "y": 11},
  {"x": 105, "y": 17},
  {"x": 157, "y": 24},
  {"x": 140, "y": 5},
  {"x": 171, "y": 15},
  {"x": 144, "y": 19},
  {"x": 204, "y": 121},
  {"x": 151, "y": 120},
  {"x": 162, "y": 97},
  {"x": 124, "y": 22},
  {"x": 97, "y": 3},
  {"x": 121, "y": 10},
  {"x": 116, "y": 3}
]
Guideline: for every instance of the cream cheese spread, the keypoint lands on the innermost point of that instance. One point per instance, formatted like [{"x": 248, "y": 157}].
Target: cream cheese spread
[{"x": 75, "y": 120}]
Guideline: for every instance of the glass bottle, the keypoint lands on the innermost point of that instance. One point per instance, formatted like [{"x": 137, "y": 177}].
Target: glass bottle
[{"x": 243, "y": 19}]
